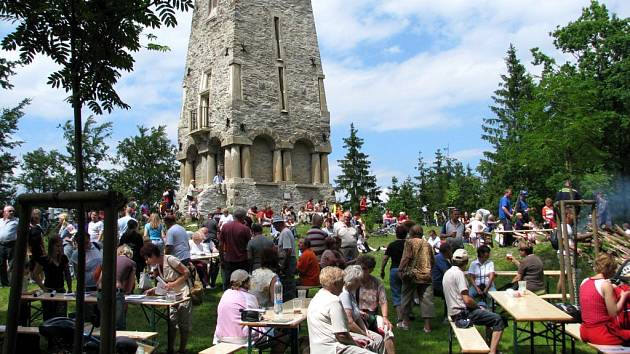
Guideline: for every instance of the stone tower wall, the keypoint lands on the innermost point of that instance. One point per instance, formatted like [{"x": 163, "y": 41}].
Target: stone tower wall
[{"x": 233, "y": 68}]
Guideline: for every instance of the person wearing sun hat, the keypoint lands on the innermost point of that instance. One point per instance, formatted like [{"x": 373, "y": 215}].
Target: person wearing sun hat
[
  {"x": 286, "y": 256},
  {"x": 460, "y": 305}
]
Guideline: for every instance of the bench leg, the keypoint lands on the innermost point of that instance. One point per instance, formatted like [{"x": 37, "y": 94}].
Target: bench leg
[
  {"x": 531, "y": 337},
  {"x": 450, "y": 340},
  {"x": 515, "y": 335}
]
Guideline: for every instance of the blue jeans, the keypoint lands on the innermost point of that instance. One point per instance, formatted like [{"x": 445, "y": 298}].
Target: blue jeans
[
  {"x": 484, "y": 301},
  {"x": 159, "y": 244},
  {"x": 396, "y": 285}
]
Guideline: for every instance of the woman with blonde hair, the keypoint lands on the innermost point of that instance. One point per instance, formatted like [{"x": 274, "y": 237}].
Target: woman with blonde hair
[
  {"x": 598, "y": 318},
  {"x": 154, "y": 231}
]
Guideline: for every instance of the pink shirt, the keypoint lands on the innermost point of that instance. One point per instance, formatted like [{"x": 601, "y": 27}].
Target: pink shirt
[{"x": 229, "y": 316}]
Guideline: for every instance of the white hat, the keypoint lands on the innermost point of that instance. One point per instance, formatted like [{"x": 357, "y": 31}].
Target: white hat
[{"x": 460, "y": 255}]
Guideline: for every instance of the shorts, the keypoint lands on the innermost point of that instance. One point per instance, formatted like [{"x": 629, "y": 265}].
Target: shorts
[{"x": 487, "y": 318}]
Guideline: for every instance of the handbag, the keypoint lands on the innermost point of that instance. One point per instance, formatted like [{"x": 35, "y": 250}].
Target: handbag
[{"x": 145, "y": 282}]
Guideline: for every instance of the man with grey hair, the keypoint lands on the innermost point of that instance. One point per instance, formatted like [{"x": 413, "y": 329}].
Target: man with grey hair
[
  {"x": 8, "y": 235},
  {"x": 233, "y": 240},
  {"x": 461, "y": 306},
  {"x": 348, "y": 235},
  {"x": 122, "y": 222}
]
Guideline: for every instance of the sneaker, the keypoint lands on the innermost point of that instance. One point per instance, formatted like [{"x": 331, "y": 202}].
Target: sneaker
[{"x": 402, "y": 325}]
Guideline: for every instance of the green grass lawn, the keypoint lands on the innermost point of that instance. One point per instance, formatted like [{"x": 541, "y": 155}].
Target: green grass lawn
[{"x": 413, "y": 341}]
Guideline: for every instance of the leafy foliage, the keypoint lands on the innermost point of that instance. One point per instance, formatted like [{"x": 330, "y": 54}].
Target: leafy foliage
[
  {"x": 95, "y": 151},
  {"x": 44, "y": 172},
  {"x": 8, "y": 126},
  {"x": 355, "y": 179},
  {"x": 148, "y": 164},
  {"x": 573, "y": 122},
  {"x": 92, "y": 43}
]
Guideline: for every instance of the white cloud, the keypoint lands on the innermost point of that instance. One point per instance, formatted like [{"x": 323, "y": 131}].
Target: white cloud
[
  {"x": 393, "y": 50},
  {"x": 460, "y": 68},
  {"x": 468, "y": 154}
]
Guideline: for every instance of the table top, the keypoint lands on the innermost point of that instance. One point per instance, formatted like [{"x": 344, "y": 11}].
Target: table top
[
  {"x": 203, "y": 257},
  {"x": 529, "y": 308},
  {"x": 91, "y": 298},
  {"x": 550, "y": 273},
  {"x": 59, "y": 297},
  {"x": 287, "y": 319}
]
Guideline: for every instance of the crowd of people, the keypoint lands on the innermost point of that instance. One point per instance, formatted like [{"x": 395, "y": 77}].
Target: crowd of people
[{"x": 350, "y": 313}]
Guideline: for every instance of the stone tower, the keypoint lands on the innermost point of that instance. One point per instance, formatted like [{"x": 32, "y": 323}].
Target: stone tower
[{"x": 254, "y": 106}]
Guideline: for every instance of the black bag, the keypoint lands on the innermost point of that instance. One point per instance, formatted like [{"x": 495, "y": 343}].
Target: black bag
[
  {"x": 249, "y": 315},
  {"x": 572, "y": 310},
  {"x": 461, "y": 320},
  {"x": 554, "y": 239}
]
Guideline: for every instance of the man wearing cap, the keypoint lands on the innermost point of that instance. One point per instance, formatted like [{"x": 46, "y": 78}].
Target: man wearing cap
[
  {"x": 344, "y": 230},
  {"x": 286, "y": 256},
  {"x": 233, "y": 240},
  {"x": 460, "y": 304},
  {"x": 8, "y": 235},
  {"x": 522, "y": 206}
]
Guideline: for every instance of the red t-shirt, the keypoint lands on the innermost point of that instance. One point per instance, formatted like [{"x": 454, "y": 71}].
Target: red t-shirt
[
  {"x": 309, "y": 206},
  {"x": 269, "y": 214},
  {"x": 403, "y": 218},
  {"x": 308, "y": 267}
]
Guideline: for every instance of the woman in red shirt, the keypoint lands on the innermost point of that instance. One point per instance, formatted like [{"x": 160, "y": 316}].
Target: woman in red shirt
[
  {"x": 600, "y": 306},
  {"x": 548, "y": 214},
  {"x": 308, "y": 265}
]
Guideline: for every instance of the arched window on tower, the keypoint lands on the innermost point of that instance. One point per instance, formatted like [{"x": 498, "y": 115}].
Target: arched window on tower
[{"x": 262, "y": 159}]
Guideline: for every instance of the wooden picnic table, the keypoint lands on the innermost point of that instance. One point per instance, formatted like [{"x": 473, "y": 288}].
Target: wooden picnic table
[
  {"x": 531, "y": 308},
  {"x": 204, "y": 256},
  {"x": 152, "y": 306},
  {"x": 511, "y": 273},
  {"x": 288, "y": 320}
]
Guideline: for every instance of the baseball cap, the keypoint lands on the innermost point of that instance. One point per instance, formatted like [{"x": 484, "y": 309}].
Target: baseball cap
[
  {"x": 239, "y": 275},
  {"x": 460, "y": 255},
  {"x": 277, "y": 219}
]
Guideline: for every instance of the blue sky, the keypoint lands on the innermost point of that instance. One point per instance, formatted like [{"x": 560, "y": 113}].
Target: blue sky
[{"x": 413, "y": 75}]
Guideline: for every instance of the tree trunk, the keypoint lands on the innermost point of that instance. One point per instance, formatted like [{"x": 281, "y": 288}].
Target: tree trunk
[{"x": 80, "y": 185}]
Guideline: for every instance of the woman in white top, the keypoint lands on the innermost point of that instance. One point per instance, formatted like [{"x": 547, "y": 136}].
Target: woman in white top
[
  {"x": 263, "y": 278},
  {"x": 198, "y": 247},
  {"x": 476, "y": 227}
]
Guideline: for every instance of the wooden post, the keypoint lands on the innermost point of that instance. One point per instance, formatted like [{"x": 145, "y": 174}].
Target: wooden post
[
  {"x": 595, "y": 227},
  {"x": 562, "y": 235}
]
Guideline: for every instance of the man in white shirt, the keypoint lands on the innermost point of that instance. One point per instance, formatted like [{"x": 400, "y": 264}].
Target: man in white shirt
[
  {"x": 462, "y": 307},
  {"x": 219, "y": 182},
  {"x": 344, "y": 230},
  {"x": 327, "y": 322},
  {"x": 95, "y": 228},
  {"x": 8, "y": 236},
  {"x": 225, "y": 218}
]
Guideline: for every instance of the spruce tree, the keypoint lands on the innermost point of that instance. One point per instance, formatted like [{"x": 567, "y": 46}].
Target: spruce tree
[
  {"x": 503, "y": 129},
  {"x": 8, "y": 126},
  {"x": 355, "y": 179}
]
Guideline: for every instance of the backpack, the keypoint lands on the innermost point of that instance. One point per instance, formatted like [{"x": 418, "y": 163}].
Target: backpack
[{"x": 554, "y": 240}]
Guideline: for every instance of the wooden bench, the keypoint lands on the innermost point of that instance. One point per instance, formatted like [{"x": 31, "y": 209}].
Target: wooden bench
[
  {"x": 573, "y": 330},
  {"x": 470, "y": 340},
  {"x": 308, "y": 288},
  {"x": 551, "y": 296},
  {"x": 223, "y": 348},
  {"x": 135, "y": 335},
  {"x": 22, "y": 330}
]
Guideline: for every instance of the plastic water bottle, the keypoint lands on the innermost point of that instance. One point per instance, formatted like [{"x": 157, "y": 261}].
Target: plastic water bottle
[{"x": 277, "y": 297}]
